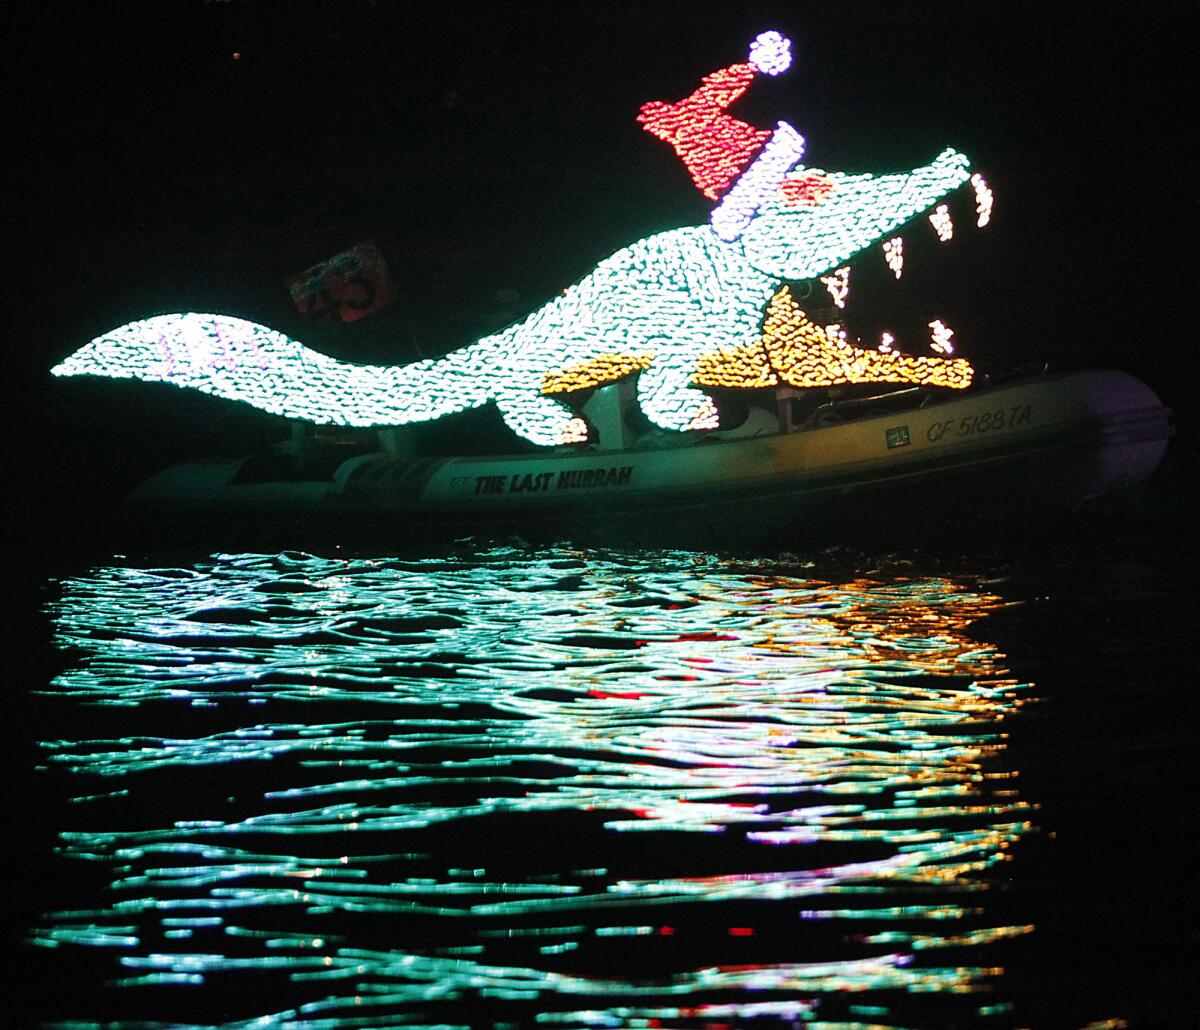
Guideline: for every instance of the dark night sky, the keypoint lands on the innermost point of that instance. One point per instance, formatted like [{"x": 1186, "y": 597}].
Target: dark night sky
[
  {"x": 498, "y": 151},
  {"x": 495, "y": 158}
]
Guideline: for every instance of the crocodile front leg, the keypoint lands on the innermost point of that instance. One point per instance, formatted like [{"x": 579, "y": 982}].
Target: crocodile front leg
[
  {"x": 538, "y": 418},
  {"x": 668, "y": 399}
]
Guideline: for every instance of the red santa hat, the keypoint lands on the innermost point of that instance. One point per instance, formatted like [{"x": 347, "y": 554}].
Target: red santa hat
[{"x": 728, "y": 158}]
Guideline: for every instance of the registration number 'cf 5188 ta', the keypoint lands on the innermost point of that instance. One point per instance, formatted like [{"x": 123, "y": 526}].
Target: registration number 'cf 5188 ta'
[{"x": 981, "y": 422}]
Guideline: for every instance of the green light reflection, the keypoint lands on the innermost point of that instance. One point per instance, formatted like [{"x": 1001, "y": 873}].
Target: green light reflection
[{"x": 476, "y": 782}]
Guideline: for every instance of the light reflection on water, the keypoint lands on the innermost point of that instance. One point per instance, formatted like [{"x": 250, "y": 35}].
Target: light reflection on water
[{"x": 577, "y": 788}]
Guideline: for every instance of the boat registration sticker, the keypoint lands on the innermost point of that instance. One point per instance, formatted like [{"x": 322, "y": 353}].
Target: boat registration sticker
[{"x": 897, "y": 436}]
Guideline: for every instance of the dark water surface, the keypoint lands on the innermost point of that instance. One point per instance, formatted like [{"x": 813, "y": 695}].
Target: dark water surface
[{"x": 589, "y": 788}]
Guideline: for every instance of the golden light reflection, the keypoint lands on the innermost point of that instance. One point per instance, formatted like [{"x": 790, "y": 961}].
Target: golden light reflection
[{"x": 518, "y": 761}]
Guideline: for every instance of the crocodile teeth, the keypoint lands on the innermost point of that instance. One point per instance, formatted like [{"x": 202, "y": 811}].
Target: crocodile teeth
[
  {"x": 893, "y": 254},
  {"x": 983, "y": 200},
  {"x": 942, "y": 335},
  {"x": 942, "y": 222},
  {"x": 838, "y": 286}
]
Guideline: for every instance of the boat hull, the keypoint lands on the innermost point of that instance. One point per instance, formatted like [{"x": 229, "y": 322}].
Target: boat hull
[{"x": 1053, "y": 442}]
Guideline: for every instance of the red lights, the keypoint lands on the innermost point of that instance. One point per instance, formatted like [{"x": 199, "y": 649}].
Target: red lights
[
  {"x": 715, "y": 146},
  {"x": 806, "y": 190}
]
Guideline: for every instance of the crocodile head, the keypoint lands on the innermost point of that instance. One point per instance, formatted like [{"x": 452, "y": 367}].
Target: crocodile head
[
  {"x": 816, "y": 221},
  {"x": 821, "y": 228}
]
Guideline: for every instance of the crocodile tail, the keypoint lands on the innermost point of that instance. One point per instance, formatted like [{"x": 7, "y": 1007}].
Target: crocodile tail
[{"x": 243, "y": 361}]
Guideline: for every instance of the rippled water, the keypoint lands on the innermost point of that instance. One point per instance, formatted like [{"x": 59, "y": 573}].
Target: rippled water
[{"x": 570, "y": 788}]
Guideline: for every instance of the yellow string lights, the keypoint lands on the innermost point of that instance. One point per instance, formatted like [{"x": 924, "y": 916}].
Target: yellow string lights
[
  {"x": 681, "y": 309},
  {"x": 584, "y": 375},
  {"x": 793, "y": 350},
  {"x": 741, "y": 368}
]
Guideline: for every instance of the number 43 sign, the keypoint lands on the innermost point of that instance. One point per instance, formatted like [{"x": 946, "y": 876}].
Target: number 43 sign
[{"x": 346, "y": 287}]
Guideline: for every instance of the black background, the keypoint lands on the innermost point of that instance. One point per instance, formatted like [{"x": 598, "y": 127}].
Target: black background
[
  {"x": 494, "y": 156},
  {"x": 192, "y": 156}
]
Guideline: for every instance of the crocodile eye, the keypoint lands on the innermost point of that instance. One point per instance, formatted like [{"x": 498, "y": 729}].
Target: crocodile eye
[{"x": 806, "y": 190}]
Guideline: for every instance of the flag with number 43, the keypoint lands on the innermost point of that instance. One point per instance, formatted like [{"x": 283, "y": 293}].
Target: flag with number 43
[{"x": 346, "y": 287}]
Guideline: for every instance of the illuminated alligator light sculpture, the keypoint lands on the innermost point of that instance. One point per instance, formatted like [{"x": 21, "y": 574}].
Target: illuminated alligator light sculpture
[{"x": 687, "y": 309}]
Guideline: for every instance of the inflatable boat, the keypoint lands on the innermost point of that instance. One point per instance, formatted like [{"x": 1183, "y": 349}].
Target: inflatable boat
[
  {"x": 713, "y": 375},
  {"x": 991, "y": 455}
]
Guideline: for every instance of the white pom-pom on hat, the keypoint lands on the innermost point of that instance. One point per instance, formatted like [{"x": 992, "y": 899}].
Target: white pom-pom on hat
[{"x": 771, "y": 53}]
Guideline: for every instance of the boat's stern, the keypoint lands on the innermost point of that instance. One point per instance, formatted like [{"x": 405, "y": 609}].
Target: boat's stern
[{"x": 1130, "y": 425}]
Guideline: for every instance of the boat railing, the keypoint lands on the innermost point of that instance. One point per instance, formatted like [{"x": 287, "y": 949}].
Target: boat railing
[{"x": 806, "y": 410}]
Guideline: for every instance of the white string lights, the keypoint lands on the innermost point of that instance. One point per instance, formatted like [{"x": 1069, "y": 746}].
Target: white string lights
[
  {"x": 893, "y": 254},
  {"x": 657, "y": 306},
  {"x": 942, "y": 337},
  {"x": 838, "y": 286},
  {"x": 802, "y": 241},
  {"x": 983, "y": 200},
  {"x": 942, "y": 223},
  {"x": 681, "y": 310},
  {"x": 243, "y": 361}
]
